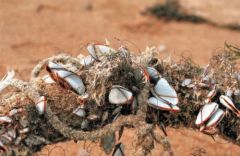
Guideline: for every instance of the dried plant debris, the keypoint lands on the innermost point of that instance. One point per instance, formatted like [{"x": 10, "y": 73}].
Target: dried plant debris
[
  {"x": 93, "y": 97},
  {"x": 172, "y": 10}
]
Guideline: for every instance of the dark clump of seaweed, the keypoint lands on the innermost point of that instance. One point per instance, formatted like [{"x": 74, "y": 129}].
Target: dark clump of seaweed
[{"x": 171, "y": 11}]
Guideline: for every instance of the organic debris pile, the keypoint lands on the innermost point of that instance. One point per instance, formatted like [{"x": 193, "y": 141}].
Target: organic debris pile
[
  {"x": 171, "y": 10},
  {"x": 175, "y": 10},
  {"x": 92, "y": 97}
]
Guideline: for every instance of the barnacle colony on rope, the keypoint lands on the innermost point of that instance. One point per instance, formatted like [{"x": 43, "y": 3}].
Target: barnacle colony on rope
[
  {"x": 92, "y": 97},
  {"x": 13, "y": 128},
  {"x": 120, "y": 91},
  {"x": 211, "y": 115}
]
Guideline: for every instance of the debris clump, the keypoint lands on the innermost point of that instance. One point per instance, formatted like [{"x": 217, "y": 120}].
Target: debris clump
[{"x": 92, "y": 97}]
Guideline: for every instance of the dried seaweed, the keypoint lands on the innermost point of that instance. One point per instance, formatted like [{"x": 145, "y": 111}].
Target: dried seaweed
[{"x": 172, "y": 11}]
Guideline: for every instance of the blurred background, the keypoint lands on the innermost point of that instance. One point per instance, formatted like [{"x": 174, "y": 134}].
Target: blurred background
[{"x": 32, "y": 30}]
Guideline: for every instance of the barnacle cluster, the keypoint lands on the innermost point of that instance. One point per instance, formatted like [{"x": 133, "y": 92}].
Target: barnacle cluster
[{"x": 113, "y": 91}]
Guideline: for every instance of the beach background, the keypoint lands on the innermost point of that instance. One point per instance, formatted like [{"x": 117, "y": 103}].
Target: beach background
[{"x": 32, "y": 30}]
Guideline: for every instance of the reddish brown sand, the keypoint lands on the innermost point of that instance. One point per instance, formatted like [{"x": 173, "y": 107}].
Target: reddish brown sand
[{"x": 33, "y": 30}]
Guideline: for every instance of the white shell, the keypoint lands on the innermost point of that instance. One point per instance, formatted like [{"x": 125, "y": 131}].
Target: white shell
[
  {"x": 159, "y": 104},
  {"x": 6, "y": 80},
  {"x": 85, "y": 124},
  {"x": 47, "y": 79},
  {"x": 153, "y": 73},
  {"x": 23, "y": 131},
  {"x": 201, "y": 84},
  {"x": 73, "y": 80},
  {"x": 96, "y": 50},
  {"x": 15, "y": 111},
  {"x": 191, "y": 85},
  {"x": 229, "y": 93},
  {"x": 227, "y": 102},
  {"x": 205, "y": 113},
  {"x": 5, "y": 119},
  {"x": 41, "y": 105},
  {"x": 18, "y": 140},
  {"x": 120, "y": 95},
  {"x": 93, "y": 117},
  {"x": 104, "y": 49},
  {"x": 205, "y": 79},
  {"x": 186, "y": 82},
  {"x": 55, "y": 66},
  {"x": 117, "y": 110},
  {"x": 2, "y": 145},
  {"x": 79, "y": 112},
  {"x": 212, "y": 93},
  {"x": 215, "y": 118},
  {"x": 12, "y": 133},
  {"x": 86, "y": 61},
  {"x": 92, "y": 52},
  {"x": 166, "y": 92},
  {"x": 7, "y": 138}
]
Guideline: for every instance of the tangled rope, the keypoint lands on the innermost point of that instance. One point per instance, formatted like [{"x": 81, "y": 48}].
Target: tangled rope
[{"x": 50, "y": 127}]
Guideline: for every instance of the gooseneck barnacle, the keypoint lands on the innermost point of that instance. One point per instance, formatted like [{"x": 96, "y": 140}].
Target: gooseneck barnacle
[{"x": 92, "y": 97}]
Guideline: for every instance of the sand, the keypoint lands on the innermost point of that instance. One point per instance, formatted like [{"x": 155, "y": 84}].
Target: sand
[{"x": 33, "y": 30}]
